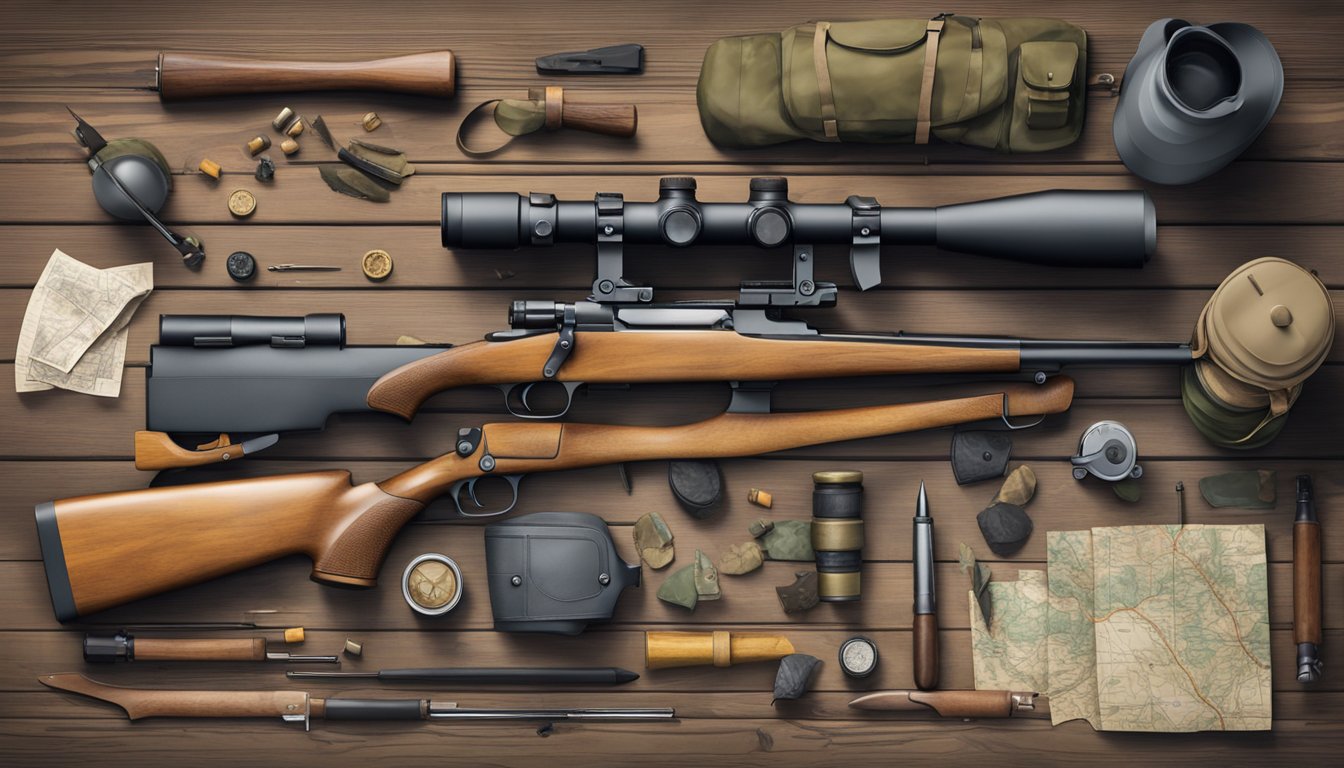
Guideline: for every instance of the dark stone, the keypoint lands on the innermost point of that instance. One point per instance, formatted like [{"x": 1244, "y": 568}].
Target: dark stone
[{"x": 1005, "y": 527}]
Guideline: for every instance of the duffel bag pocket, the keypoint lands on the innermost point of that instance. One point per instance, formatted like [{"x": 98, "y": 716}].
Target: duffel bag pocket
[{"x": 1048, "y": 103}]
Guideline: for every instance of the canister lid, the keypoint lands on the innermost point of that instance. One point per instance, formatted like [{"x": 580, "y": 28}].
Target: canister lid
[
  {"x": 837, "y": 477},
  {"x": 1270, "y": 324}
]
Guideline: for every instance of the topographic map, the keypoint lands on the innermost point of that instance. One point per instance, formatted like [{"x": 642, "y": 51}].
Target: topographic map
[{"x": 1138, "y": 628}]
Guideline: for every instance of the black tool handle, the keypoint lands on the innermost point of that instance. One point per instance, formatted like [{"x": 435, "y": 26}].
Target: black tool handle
[{"x": 373, "y": 709}]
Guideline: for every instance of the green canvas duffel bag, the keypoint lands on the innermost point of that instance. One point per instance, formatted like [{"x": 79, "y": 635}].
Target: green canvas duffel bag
[{"x": 1012, "y": 85}]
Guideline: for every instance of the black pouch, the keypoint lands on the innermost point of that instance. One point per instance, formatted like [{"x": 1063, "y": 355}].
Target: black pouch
[{"x": 554, "y": 572}]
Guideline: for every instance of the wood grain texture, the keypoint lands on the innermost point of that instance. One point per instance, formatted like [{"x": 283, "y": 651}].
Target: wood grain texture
[
  {"x": 1281, "y": 198},
  {"x": 196, "y": 76}
]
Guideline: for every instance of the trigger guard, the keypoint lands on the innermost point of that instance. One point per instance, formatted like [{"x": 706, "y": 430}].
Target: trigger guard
[
  {"x": 526, "y": 412},
  {"x": 512, "y": 480}
]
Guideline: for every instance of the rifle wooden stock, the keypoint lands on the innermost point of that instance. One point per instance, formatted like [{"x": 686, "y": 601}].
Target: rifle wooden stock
[
  {"x": 192, "y": 75},
  {"x": 111, "y": 548},
  {"x": 604, "y": 357}
]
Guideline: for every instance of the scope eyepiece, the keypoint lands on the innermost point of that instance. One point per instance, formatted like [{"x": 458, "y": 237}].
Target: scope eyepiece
[{"x": 327, "y": 329}]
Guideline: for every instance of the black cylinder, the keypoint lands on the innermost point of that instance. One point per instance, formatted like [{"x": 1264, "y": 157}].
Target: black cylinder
[
  {"x": 245, "y": 330},
  {"x": 1058, "y": 227},
  {"x": 107, "y": 648},
  {"x": 837, "y": 534}
]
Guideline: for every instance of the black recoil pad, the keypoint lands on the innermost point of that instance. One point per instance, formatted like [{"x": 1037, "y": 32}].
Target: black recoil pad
[{"x": 374, "y": 709}]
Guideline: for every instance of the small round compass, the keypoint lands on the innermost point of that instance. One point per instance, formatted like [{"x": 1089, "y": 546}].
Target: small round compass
[{"x": 858, "y": 656}]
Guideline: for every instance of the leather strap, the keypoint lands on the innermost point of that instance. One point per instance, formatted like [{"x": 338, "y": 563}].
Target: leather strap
[
  {"x": 923, "y": 120},
  {"x": 469, "y": 120},
  {"x": 555, "y": 107},
  {"x": 723, "y": 648},
  {"x": 828, "y": 123}
]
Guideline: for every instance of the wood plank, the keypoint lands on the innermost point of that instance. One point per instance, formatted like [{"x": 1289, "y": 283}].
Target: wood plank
[
  {"x": 1247, "y": 192},
  {"x": 1307, "y": 126},
  {"x": 1188, "y": 257},
  {"x": 284, "y": 586},
  {"x": 47, "y": 652},
  {"x": 48, "y": 49},
  {"x": 1060, "y": 504},
  {"x": 380, "y": 317},
  {"x": 767, "y": 742}
]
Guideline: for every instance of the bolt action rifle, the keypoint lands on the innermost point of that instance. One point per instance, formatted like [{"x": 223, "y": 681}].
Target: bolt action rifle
[
  {"x": 103, "y": 550},
  {"x": 222, "y": 387}
]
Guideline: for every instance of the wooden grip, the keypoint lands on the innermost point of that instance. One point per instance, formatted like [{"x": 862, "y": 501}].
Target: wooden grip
[
  {"x": 156, "y": 450},
  {"x": 606, "y": 119},
  {"x": 665, "y": 650},
  {"x": 1307, "y": 582},
  {"x": 204, "y": 649},
  {"x": 966, "y": 703},
  {"x": 630, "y": 357},
  {"x": 193, "y": 76},
  {"x": 926, "y": 651},
  {"x": 118, "y": 547}
]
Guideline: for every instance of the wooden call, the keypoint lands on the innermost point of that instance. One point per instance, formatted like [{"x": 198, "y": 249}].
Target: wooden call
[
  {"x": 665, "y": 650},
  {"x": 1307, "y": 582},
  {"x": 212, "y": 649},
  {"x": 606, "y": 119},
  {"x": 194, "y": 76}
]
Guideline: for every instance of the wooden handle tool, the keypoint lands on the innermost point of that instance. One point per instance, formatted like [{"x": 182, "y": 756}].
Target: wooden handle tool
[{"x": 194, "y": 76}]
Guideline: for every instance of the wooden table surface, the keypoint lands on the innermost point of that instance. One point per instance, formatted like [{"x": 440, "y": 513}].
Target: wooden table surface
[{"x": 1282, "y": 198}]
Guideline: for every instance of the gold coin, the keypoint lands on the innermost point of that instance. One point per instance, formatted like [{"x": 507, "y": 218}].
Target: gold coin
[
  {"x": 377, "y": 264},
  {"x": 242, "y": 203}
]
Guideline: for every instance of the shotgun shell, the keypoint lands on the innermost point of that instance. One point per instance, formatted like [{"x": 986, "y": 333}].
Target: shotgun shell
[
  {"x": 257, "y": 145},
  {"x": 372, "y": 121},
  {"x": 760, "y": 498},
  {"x": 289, "y": 146},
  {"x": 294, "y": 635},
  {"x": 281, "y": 120},
  {"x": 209, "y": 168},
  {"x": 295, "y": 128}
]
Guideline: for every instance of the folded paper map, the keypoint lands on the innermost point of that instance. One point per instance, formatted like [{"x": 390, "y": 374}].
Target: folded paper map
[
  {"x": 1138, "y": 628},
  {"x": 74, "y": 330}
]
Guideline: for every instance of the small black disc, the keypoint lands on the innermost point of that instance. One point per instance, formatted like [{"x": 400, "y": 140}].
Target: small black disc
[{"x": 241, "y": 266}]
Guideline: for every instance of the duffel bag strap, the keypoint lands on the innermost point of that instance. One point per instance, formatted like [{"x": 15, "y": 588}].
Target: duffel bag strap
[
  {"x": 828, "y": 122},
  {"x": 924, "y": 117}
]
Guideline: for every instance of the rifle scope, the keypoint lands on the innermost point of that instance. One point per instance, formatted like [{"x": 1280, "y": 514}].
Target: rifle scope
[
  {"x": 1057, "y": 227},
  {"x": 245, "y": 330}
]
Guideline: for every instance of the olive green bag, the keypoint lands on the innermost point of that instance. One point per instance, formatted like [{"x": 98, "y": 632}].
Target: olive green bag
[{"x": 1012, "y": 85}]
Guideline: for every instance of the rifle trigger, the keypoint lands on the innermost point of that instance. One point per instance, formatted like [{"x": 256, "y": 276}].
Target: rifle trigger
[{"x": 564, "y": 344}]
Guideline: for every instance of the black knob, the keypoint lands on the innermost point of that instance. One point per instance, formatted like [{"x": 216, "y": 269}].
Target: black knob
[
  {"x": 241, "y": 266},
  {"x": 770, "y": 184},
  {"x": 669, "y": 183},
  {"x": 769, "y": 227}
]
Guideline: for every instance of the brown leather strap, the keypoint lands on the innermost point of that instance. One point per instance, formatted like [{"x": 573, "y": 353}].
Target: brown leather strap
[
  {"x": 824, "y": 92},
  {"x": 555, "y": 107},
  {"x": 923, "y": 121}
]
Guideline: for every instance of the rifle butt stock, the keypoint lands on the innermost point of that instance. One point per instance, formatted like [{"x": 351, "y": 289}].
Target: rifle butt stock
[{"x": 107, "y": 549}]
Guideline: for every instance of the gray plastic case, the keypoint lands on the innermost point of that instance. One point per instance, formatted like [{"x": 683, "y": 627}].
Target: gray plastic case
[{"x": 554, "y": 572}]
